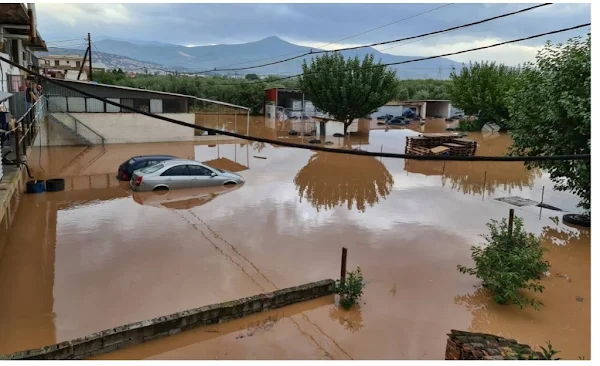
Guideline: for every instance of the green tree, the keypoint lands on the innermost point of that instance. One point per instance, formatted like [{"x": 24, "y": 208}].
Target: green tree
[
  {"x": 482, "y": 88},
  {"x": 347, "y": 89},
  {"x": 509, "y": 263},
  {"x": 251, "y": 77},
  {"x": 550, "y": 111}
]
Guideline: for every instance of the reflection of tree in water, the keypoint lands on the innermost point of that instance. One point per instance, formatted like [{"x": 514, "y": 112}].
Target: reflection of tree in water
[
  {"x": 479, "y": 304},
  {"x": 329, "y": 180},
  {"x": 564, "y": 237},
  {"x": 258, "y": 146},
  {"x": 351, "y": 319},
  {"x": 468, "y": 177}
]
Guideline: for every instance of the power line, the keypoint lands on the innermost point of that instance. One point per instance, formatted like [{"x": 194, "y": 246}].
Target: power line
[
  {"x": 339, "y": 40},
  {"x": 385, "y": 42},
  {"x": 383, "y": 26},
  {"x": 448, "y": 54},
  {"x": 306, "y": 147}
]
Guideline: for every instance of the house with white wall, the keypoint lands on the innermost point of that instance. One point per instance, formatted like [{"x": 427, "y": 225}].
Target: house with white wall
[{"x": 19, "y": 39}]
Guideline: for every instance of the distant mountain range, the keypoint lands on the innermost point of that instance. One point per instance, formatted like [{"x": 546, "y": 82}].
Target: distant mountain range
[{"x": 135, "y": 54}]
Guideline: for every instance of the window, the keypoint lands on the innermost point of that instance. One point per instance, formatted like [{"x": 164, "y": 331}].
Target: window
[
  {"x": 142, "y": 104},
  {"x": 174, "y": 106},
  {"x": 56, "y": 63},
  {"x": 78, "y": 63},
  {"x": 152, "y": 169},
  {"x": 199, "y": 170},
  {"x": 176, "y": 171}
]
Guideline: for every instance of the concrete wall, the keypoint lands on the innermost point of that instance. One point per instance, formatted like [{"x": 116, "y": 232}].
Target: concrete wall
[
  {"x": 479, "y": 346},
  {"x": 117, "y": 338},
  {"x": 119, "y": 128}
]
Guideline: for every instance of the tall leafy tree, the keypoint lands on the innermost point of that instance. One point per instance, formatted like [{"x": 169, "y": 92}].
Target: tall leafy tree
[
  {"x": 550, "y": 113},
  {"x": 347, "y": 89},
  {"x": 482, "y": 88}
]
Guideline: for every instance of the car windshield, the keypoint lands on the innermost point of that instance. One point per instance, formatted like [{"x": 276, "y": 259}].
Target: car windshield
[
  {"x": 151, "y": 169},
  {"x": 131, "y": 161}
]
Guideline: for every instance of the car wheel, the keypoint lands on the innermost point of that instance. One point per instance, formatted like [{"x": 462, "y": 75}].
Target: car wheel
[
  {"x": 575, "y": 219},
  {"x": 230, "y": 184}
]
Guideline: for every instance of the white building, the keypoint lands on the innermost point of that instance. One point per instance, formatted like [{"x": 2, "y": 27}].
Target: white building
[{"x": 18, "y": 44}]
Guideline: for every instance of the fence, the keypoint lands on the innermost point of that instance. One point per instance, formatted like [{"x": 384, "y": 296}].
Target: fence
[{"x": 25, "y": 129}]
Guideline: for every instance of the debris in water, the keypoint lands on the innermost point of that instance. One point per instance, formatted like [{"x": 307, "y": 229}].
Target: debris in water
[
  {"x": 579, "y": 298},
  {"x": 547, "y": 273},
  {"x": 260, "y": 157}
]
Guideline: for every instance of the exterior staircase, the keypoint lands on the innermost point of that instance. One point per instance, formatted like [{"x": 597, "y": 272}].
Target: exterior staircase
[{"x": 80, "y": 131}]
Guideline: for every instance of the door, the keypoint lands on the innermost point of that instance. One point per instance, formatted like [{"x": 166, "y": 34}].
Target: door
[
  {"x": 176, "y": 177},
  {"x": 202, "y": 177}
]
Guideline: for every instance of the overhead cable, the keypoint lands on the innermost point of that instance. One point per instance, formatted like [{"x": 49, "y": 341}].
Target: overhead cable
[
  {"x": 437, "y": 56},
  {"x": 381, "y": 43},
  {"x": 339, "y": 40},
  {"x": 303, "y": 146}
]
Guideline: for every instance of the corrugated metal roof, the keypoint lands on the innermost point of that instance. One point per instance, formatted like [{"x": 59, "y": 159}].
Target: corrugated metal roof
[{"x": 155, "y": 92}]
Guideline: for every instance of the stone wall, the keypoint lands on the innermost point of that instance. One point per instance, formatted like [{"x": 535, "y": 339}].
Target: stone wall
[
  {"x": 126, "y": 335},
  {"x": 479, "y": 346}
]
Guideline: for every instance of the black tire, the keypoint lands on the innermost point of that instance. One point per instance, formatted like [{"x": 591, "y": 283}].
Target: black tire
[
  {"x": 55, "y": 185},
  {"x": 338, "y": 135},
  {"x": 575, "y": 219}
]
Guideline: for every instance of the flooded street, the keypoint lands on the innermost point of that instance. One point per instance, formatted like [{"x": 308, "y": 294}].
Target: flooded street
[{"x": 97, "y": 256}]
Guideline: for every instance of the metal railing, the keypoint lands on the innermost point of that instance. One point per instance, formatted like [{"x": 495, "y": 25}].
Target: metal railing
[{"x": 74, "y": 125}]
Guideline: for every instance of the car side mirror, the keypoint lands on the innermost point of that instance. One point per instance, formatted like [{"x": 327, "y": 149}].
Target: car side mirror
[{"x": 213, "y": 174}]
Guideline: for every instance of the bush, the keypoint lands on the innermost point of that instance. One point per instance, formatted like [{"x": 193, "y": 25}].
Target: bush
[
  {"x": 506, "y": 265},
  {"x": 351, "y": 289}
]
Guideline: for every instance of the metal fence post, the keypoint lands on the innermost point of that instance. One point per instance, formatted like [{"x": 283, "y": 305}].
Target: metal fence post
[
  {"x": 17, "y": 145},
  {"x": 343, "y": 269},
  {"x": 511, "y": 217}
]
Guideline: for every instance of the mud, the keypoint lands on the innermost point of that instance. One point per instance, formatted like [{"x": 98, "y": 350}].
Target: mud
[{"x": 96, "y": 256}]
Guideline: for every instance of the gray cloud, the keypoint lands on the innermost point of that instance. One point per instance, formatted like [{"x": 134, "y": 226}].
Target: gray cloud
[{"x": 315, "y": 24}]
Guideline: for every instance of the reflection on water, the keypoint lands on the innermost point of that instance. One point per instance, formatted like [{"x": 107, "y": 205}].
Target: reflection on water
[
  {"x": 562, "y": 318},
  {"x": 72, "y": 255},
  {"x": 329, "y": 180},
  {"x": 351, "y": 319},
  {"x": 471, "y": 177}
]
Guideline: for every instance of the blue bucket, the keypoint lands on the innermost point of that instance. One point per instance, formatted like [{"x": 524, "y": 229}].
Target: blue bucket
[{"x": 36, "y": 186}]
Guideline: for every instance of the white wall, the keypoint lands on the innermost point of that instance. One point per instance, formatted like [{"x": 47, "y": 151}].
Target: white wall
[
  {"x": 120, "y": 128},
  {"x": 333, "y": 127}
]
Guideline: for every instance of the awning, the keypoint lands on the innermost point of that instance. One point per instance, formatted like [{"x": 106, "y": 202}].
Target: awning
[{"x": 4, "y": 96}]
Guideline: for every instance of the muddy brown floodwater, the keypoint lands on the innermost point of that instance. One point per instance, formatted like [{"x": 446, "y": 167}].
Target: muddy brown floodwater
[{"x": 97, "y": 256}]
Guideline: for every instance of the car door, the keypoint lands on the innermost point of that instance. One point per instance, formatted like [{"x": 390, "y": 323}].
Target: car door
[
  {"x": 202, "y": 177},
  {"x": 177, "y": 177}
]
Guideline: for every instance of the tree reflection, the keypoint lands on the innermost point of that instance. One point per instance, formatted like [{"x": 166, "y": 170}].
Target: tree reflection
[
  {"x": 329, "y": 180},
  {"x": 351, "y": 319}
]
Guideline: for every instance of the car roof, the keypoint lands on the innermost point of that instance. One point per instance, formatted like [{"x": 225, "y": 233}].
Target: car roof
[
  {"x": 148, "y": 157},
  {"x": 180, "y": 161}
]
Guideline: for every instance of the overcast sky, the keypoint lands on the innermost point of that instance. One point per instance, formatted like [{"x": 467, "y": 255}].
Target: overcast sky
[{"x": 318, "y": 24}]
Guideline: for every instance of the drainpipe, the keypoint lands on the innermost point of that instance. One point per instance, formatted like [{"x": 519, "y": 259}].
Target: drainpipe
[{"x": 32, "y": 21}]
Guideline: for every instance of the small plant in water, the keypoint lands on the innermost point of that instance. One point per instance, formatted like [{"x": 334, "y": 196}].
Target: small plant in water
[
  {"x": 508, "y": 264},
  {"x": 549, "y": 352},
  {"x": 351, "y": 289}
]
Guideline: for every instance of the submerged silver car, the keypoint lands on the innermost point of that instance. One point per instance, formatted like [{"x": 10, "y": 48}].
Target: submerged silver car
[{"x": 179, "y": 174}]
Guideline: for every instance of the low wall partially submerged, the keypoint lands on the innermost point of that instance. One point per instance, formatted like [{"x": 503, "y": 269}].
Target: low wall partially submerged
[
  {"x": 480, "y": 346},
  {"x": 135, "y": 333}
]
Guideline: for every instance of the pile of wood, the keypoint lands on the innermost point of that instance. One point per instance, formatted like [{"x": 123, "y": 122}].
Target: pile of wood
[{"x": 440, "y": 144}]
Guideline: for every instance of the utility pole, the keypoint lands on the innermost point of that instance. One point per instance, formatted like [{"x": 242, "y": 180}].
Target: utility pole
[
  {"x": 90, "y": 49},
  {"x": 83, "y": 63}
]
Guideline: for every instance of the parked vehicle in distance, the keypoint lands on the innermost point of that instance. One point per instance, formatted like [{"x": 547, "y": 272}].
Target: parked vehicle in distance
[
  {"x": 398, "y": 120},
  {"x": 138, "y": 162},
  {"x": 385, "y": 117},
  {"x": 180, "y": 174}
]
